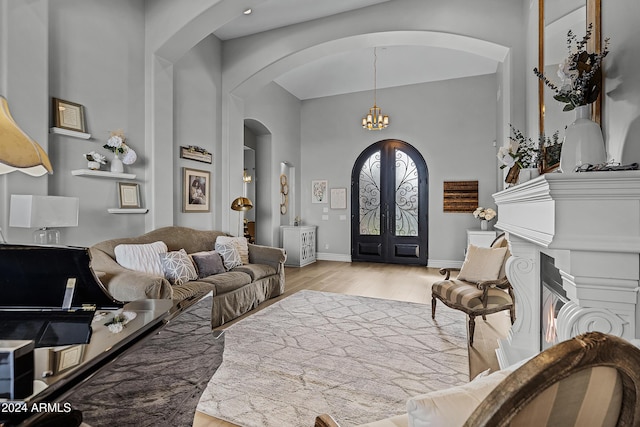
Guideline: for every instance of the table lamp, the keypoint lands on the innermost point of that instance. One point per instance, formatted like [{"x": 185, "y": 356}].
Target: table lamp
[{"x": 44, "y": 213}]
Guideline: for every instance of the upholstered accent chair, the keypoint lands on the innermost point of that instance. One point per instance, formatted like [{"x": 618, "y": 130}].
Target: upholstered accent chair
[
  {"x": 591, "y": 380},
  {"x": 481, "y": 286}
]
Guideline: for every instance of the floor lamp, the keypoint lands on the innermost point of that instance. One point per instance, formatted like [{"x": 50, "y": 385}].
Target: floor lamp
[{"x": 241, "y": 204}]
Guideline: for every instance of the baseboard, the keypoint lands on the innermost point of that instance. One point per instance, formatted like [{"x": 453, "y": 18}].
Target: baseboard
[
  {"x": 442, "y": 263},
  {"x": 434, "y": 263},
  {"x": 325, "y": 256}
]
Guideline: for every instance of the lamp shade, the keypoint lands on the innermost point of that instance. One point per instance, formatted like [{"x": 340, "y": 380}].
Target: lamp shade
[
  {"x": 29, "y": 211},
  {"x": 241, "y": 204},
  {"x": 17, "y": 150}
]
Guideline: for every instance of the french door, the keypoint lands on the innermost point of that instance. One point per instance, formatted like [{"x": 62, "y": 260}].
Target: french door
[{"x": 389, "y": 200}]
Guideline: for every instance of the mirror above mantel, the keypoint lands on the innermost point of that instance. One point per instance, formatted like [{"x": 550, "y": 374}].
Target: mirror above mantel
[{"x": 555, "y": 19}]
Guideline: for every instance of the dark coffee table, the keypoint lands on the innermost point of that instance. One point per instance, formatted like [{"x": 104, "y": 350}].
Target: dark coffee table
[{"x": 62, "y": 372}]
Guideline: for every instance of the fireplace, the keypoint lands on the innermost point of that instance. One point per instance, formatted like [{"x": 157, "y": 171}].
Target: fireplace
[
  {"x": 585, "y": 227},
  {"x": 552, "y": 298}
]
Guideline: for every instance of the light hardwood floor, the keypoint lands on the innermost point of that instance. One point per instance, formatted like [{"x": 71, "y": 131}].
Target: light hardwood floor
[{"x": 397, "y": 282}]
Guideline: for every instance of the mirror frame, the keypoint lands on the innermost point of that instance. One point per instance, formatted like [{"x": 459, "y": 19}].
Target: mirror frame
[{"x": 594, "y": 16}]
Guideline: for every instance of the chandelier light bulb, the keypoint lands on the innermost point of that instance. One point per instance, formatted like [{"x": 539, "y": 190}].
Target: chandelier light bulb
[{"x": 375, "y": 120}]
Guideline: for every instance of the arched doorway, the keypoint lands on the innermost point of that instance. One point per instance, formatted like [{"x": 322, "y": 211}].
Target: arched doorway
[{"x": 389, "y": 200}]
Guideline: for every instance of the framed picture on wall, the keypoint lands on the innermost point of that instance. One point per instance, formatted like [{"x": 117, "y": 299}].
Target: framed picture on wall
[
  {"x": 196, "y": 189},
  {"x": 338, "y": 198},
  {"x": 128, "y": 195},
  {"x": 319, "y": 191},
  {"x": 68, "y": 115}
]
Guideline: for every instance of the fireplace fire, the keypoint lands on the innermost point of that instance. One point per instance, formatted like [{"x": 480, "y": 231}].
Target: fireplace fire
[{"x": 553, "y": 297}]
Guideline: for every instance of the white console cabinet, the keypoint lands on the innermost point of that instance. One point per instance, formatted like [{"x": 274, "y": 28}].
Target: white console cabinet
[
  {"x": 481, "y": 238},
  {"x": 300, "y": 244}
]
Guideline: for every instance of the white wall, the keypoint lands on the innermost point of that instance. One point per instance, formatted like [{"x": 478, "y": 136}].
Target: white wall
[
  {"x": 455, "y": 136},
  {"x": 278, "y": 111},
  {"x": 24, "y": 68},
  {"x": 197, "y": 104},
  {"x": 101, "y": 69}
]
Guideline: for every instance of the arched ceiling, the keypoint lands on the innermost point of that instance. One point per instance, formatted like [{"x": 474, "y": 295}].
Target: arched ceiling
[{"x": 352, "y": 71}]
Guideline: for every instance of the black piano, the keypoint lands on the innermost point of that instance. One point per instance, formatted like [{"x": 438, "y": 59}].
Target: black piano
[{"x": 49, "y": 294}]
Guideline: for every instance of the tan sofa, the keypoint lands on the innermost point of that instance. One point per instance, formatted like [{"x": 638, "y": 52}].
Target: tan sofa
[{"x": 235, "y": 292}]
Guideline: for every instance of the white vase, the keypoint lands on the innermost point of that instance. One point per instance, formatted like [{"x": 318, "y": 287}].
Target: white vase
[
  {"x": 484, "y": 225},
  {"x": 583, "y": 142},
  {"x": 116, "y": 164}
]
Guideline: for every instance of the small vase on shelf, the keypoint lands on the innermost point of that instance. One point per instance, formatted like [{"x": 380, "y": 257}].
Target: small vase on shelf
[
  {"x": 116, "y": 164},
  {"x": 484, "y": 225},
  {"x": 583, "y": 142}
]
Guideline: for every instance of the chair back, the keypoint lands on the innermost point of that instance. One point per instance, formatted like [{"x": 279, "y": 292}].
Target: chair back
[
  {"x": 590, "y": 380},
  {"x": 501, "y": 242}
]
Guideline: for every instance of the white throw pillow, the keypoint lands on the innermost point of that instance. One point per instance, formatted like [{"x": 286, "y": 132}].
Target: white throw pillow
[
  {"x": 482, "y": 264},
  {"x": 143, "y": 258},
  {"x": 241, "y": 245},
  {"x": 229, "y": 253},
  {"x": 453, "y": 406}
]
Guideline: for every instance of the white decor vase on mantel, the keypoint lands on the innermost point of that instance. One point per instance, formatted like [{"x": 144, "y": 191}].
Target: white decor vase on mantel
[
  {"x": 116, "y": 164},
  {"x": 583, "y": 142},
  {"x": 484, "y": 225}
]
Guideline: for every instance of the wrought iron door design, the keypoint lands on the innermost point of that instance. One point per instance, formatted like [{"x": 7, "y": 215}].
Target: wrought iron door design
[{"x": 389, "y": 184}]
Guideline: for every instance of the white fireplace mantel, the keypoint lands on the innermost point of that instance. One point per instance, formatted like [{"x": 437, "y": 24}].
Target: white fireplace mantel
[{"x": 590, "y": 224}]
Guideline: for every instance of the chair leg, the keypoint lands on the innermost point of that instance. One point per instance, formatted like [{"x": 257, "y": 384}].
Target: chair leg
[
  {"x": 472, "y": 328},
  {"x": 433, "y": 307},
  {"x": 512, "y": 314}
]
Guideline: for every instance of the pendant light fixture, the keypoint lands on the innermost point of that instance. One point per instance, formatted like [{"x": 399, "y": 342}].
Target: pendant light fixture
[{"x": 375, "y": 120}]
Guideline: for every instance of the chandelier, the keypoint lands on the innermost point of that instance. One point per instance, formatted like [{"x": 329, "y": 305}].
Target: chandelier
[{"x": 375, "y": 120}]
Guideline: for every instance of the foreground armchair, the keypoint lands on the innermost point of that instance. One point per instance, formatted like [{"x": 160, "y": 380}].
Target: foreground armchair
[
  {"x": 481, "y": 287},
  {"x": 591, "y": 380}
]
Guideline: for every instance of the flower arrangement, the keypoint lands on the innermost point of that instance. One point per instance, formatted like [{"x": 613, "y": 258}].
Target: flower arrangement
[
  {"x": 580, "y": 74},
  {"x": 92, "y": 156},
  {"x": 484, "y": 214},
  {"x": 117, "y": 324},
  {"x": 117, "y": 144},
  {"x": 522, "y": 152}
]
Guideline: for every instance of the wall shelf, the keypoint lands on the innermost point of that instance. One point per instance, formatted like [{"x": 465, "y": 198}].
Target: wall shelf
[
  {"x": 128, "y": 211},
  {"x": 102, "y": 174},
  {"x": 68, "y": 132}
]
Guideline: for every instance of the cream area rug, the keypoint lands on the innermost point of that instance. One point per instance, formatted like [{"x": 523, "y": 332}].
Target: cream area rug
[{"x": 356, "y": 358}]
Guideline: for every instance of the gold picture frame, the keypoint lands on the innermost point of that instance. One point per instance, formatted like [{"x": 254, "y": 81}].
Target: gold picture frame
[
  {"x": 196, "y": 190},
  {"x": 128, "y": 195},
  {"x": 68, "y": 115}
]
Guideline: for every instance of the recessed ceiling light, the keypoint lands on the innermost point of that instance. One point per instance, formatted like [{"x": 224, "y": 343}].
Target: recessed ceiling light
[{"x": 247, "y": 11}]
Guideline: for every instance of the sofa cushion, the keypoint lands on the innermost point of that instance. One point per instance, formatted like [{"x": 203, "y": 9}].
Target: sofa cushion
[
  {"x": 241, "y": 244},
  {"x": 468, "y": 295},
  {"x": 229, "y": 253},
  {"x": 227, "y": 282},
  {"x": 177, "y": 266},
  {"x": 256, "y": 271},
  {"x": 192, "y": 288},
  {"x": 208, "y": 263},
  {"x": 482, "y": 264},
  {"x": 141, "y": 257}
]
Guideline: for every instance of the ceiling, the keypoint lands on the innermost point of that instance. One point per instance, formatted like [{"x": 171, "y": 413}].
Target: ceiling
[{"x": 353, "y": 71}]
